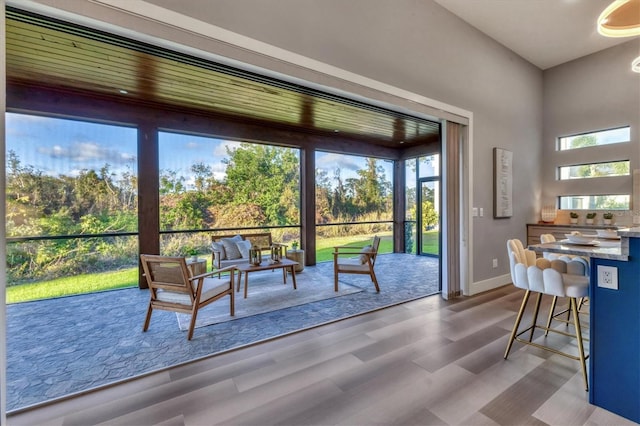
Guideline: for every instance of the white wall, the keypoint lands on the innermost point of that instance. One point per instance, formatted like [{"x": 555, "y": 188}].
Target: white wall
[{"x": 595, "y": 92}]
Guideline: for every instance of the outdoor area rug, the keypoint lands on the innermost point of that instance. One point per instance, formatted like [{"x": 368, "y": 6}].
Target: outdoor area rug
[{"x": 268, "y": 293}]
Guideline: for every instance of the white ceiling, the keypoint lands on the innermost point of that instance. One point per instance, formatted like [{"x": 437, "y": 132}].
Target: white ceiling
[{"x": 544, "y": 32}]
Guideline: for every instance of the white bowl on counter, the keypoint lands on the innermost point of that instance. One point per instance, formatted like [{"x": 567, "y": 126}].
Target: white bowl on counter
[{"x": 580, "y": 239}]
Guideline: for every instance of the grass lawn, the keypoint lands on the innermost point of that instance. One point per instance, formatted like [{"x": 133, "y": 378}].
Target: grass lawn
[
  {"x": 430, "y": 243},
  {"x": 88, "y": 283},
  {"x": 324, "y": 248},
  {"x": 78, "y": 284}
]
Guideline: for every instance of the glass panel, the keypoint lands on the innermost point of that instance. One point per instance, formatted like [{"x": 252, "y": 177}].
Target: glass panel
[
  {"x": 350, "y": 188},
  {"x": 603, "y": 137},
  {"x": 582, "y": 171},
  {"x": 358, "y": 235},
  {"x": 208, "y": 183},
  {"x": 430, "y": 217},
  {"x": 429, "y": 166},
  {"x": 410, "y": 189},
  {"x": 68, "y": 177},
  {"x": 595, "y": 202},
  {"x": 354, "y": 200}
]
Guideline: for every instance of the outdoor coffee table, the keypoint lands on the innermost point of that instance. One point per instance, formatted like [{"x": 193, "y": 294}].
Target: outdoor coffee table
[{"x": 283, "y": 264}]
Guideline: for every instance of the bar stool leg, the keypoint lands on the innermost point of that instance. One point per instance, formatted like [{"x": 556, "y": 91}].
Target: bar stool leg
[
  {"x": 525, "y": 299},
  {"x": 576, "y": 322},
  {"x": 553, "y": 308},
  {"x": 535, "y": 316}
]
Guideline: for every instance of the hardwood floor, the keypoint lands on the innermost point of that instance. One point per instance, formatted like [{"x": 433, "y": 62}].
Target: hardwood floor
[{"x": 427, "y": 362}]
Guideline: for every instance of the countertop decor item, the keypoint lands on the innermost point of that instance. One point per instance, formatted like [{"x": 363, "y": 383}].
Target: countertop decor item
[
  {"x": 549, "y": 214},
  {"x": 573, "y": 217}
]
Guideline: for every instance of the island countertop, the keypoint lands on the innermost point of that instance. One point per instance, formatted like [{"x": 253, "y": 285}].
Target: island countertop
[
  {"x": 605, "y": 249},
  {"x": 630, "y": 232}
]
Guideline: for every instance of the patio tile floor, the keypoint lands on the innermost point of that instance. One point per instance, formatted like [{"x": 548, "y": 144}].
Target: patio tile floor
[{"x": 62, "y": 346}]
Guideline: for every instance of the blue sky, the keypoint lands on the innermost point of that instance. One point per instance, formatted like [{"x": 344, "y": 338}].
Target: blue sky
[{"x": 65, "y": 147}]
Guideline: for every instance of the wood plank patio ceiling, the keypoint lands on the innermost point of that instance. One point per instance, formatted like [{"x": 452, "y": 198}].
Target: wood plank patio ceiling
[{"x": 41, "y": 51}]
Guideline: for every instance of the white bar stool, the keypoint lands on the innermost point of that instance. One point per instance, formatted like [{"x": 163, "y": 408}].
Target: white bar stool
[{"x": 543, "y": 277}]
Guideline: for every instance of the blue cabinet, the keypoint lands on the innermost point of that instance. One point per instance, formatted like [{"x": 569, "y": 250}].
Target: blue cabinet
[{"x": 615, "y": 337}]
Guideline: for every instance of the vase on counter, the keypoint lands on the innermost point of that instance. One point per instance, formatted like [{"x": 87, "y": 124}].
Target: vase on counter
[
  {"x": 589, "y": 221},
  {"x": 574, "y": 220}
]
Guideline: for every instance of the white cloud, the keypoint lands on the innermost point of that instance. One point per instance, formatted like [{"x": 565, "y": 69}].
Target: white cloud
[
  {"x": 87, "y": 152},
  {"x": 220, "y": 149},
  {"x": 333, "y": 161}
]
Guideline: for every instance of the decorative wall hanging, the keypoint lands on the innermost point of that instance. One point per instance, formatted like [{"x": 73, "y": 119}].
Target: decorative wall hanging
[{"x": 502, "y": 183}]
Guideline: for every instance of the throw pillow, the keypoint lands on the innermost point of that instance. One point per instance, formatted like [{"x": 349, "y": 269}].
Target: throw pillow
[
  {"x": 364, "y": 258},
  {"x": 231, "y": 249},
  {"x": 244, "y": 247},
  {"x": 219, "y": 248}
]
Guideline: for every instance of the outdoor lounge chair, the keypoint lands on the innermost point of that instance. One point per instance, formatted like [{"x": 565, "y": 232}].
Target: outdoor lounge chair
[
  {"x": 172, "y": 288},
  {"x": 344, "y": 261}
]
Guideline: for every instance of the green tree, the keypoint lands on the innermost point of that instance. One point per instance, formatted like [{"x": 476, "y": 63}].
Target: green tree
[
  {"x": 203, "y": 175},
  {"x": 91, "y": 203},
  {"x": 372, "y": 191},
  {"x": 323, "y": 197},
  {"x": 583, "y": 141},
  {"x": 430, "y": 216},
  {"x": 171, "y": 183},
  {"x": 260, "y": 175},
  {"x": 342, "y": 198}
]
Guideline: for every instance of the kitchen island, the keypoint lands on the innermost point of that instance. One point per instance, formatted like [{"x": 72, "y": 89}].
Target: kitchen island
[{"x": 614, "y": 299}]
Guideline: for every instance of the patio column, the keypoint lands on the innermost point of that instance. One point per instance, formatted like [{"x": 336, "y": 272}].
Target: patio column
[
  {"x": 308, "y": 204},
  {"x": 148, "y": 194}
]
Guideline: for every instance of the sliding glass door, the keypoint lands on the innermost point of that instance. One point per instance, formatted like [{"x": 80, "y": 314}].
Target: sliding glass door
[{"x": 428, "y": 218}]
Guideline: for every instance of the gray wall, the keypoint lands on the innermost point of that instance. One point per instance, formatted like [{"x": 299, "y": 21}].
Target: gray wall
[{"x": 594, "y": 92}]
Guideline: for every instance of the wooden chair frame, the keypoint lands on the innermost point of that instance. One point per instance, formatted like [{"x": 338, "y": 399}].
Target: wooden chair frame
[
  {"x": 351, "y": 268},
  {"x": 181, "y": 282}
]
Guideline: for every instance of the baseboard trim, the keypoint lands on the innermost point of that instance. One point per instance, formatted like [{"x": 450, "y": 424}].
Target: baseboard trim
[{"x": 490, "y": 284}]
